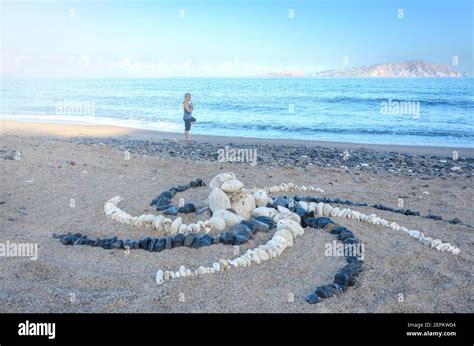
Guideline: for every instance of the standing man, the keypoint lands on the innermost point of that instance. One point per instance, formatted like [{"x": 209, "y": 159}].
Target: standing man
[{"x": 187, "y": 117}]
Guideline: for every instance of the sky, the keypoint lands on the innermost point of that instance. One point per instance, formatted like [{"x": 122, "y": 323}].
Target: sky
[{"x": 228, "y": 38}]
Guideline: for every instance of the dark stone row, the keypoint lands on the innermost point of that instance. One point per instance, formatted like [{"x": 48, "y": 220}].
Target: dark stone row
[
  {"x": 237, "y": 234},
  {"x": 379, "y": 206},
  {"x": 347, "y": 275},
  {"x": 163, "y": 201}
]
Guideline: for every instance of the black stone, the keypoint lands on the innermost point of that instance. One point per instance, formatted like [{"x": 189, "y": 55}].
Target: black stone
[
  {"x": 168, "y": 243},
  {"x": 265, "y": 220},
  {"x": 196, "y": 243},
  {"x": 117, "y": 244},
  {"x": 163, "y": 207},
  {"x": 345, "y": 234},
  {"x": 200, "y": 182},
  {"x": 351, "y": 259},
  {"x": 227, "y": 238},
  {"x": 240, "y": 239},
  {"x": 318, "y": 222},
  {"x": 312, "y": 298},
  {"x": 163, "y": 201},
  {"x": 242, "y": 230},
  {"x": 193, "y": 184},
  {"x": 216, "y": 240},
  {"x": 324, "y": 292},
  {"x": 205, "y": 240},
  {"x": 338, "y": 230},
  {"x": 280, "y": 201},
  {"x": 151, "y": 244},
  {"x": 143, "y": 243},
  {"x": 187, "y": 208},
  {"x": 178, "y": 240},
  {"x": 68, "y": 240},
  {"x": 189, "y": 238},
  {"x": 341, "y": 279},
  {"x": 171, "y": 211},
  {"x": 257, "y": 226},
  {"x": 166, "y": 194},
  {"x": 454, "y": 221},
  {"x": 160, "y": 244},
  {"x": 351, "y": 240}
]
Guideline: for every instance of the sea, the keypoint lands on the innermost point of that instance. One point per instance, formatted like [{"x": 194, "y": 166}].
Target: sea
[{"x": 407, "y": 111}]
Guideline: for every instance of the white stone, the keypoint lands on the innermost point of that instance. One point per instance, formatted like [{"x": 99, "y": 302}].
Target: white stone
[
  {"x": 218, "y": 200},
  {"x": 304, "y": 205},
  {"x": 243, "y": 203},
  {"x": 229, "y": 217},
  {"x": 217, "y": 223},
  {"x": 174, "y": 228},
  {"x": 264, "y": 211},
  {"x": 219, "y": 179},
  {"x": 232, "y": 186},
  {"x": 182, "y": 271},
  {"x": 261, "y": 198},
  {"x": 201, "y": 270},
  {"x": 167, "y": 224},
  {"x": 282, "y": 209},
  {"x": 289, "y": 215},
  {"x": 159, "y": 277}
]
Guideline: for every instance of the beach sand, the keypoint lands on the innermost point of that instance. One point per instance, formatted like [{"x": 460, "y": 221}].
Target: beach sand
[{"x": 400, "y": 275}]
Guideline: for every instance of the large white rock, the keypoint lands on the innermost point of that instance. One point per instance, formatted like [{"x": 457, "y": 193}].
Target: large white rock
[
  {"x": 219, "y": 179},
  {"x": 264, "y": 211},
  {"x": 287, "y": 215},
  {"x": 175, "y": 225},
  {"x": 294, "y": 227},
  {"x": 229, "y": 217},
  {"x": 218, "y": 200},
  {"x": 159, "y": 277},
  {"x": 232, "y": 186},
  {"x": 243, "y": 203},
  {"x": 261, "y": 198},
  {"x": 217, "y": 223}
]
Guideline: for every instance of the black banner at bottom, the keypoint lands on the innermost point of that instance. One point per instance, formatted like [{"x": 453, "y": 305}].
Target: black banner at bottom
[{"x": 293, "y": 329}]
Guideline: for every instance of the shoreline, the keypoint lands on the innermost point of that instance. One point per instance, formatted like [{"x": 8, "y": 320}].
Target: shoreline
[{"x": 111, "y": 131}]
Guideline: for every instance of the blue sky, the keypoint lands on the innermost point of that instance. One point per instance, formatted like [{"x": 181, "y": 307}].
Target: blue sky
[{"x": 228, "y": 38}]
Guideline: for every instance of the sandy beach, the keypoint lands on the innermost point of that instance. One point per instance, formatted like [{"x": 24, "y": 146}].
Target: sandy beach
[{"x": 60, "y": 162}]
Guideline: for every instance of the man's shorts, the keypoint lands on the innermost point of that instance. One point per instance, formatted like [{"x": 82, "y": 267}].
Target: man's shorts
[{"x": 187, "y": 124}]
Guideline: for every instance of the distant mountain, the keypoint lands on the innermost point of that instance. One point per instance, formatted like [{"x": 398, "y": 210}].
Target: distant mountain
[
  {"x": 416, "y": 68},
  {"x": 283, "y": 74}
]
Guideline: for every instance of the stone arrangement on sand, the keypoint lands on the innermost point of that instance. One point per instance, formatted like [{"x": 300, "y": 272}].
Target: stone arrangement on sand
[{"x": 237, "y": 214}]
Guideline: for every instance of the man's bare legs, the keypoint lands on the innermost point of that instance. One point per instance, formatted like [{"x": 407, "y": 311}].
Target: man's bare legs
[{"x": 186, "y": 137}]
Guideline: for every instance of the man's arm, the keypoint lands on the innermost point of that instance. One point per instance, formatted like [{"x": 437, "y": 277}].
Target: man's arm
[{"x": 186, "y": 106}]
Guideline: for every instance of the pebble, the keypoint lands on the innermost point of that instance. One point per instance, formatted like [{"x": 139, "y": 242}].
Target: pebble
[
  {"x": 274, "y": 155},
  {"x": 178, "y": 240},
  {"x": 239, "y": 239},
  {"x": 312, "y": 298},
  {"x": 189, "y": 239},
  {"x": 171, "y": 211}
]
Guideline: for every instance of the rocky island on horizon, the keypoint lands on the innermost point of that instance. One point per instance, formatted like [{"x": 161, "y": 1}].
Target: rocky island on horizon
[{"x": 404, "y": 69}]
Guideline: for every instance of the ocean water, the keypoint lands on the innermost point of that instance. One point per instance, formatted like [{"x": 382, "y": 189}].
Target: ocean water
[{"x": 428, "y": 111}]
